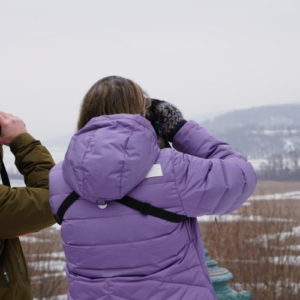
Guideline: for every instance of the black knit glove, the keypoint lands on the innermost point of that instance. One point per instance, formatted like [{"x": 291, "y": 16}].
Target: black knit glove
[{"x": 165, "y": 118}]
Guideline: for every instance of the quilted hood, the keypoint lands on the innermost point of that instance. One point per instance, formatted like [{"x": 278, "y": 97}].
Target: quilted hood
[{"x": 110, "y": 156}]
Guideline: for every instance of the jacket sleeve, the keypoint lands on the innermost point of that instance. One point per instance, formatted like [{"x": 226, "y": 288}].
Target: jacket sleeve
[
  {"x": 211, "y": 178},
  {"x": 26, "y": 209}
]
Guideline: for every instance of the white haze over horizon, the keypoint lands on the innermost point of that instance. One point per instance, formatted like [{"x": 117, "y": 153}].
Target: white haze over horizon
[{"x": 204, "y": 56}]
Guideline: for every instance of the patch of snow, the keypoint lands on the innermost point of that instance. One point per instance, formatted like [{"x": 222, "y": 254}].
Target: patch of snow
[
  {"x": 258, "y": 163},
  {"x": 56, "y": 226},
  {"x": 48, "y": 275},
  {"x": 276, "y": 132},
  {"x": 33, "y": 239},
  {"x": 58, "y": 297},
  {"x": 236, "y": 260},
  {"x": 291, "y": 260},
  {"x": 57, "y": 255},
  {"x": 264, "y": 238},
  {"x": 278, "y": 196},
  {"x": 294, "y": 247},
  {"x": 288, "y": 145},
  {"x": 236, "y": 217},
  {"x": 278, "y": 285},
  {"x": 51, "y": 265}
]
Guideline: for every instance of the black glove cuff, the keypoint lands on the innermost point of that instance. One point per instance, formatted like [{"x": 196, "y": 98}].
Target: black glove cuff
[{"x": 176, "y": 129}]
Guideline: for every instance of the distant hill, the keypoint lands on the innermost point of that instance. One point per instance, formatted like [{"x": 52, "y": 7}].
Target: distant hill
[
  {"x": 261, "y": 131},
  {"x": 269, "y": 136}
]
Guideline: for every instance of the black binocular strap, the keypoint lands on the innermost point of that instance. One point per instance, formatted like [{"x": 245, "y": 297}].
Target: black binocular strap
[
  {"x": 143, "y": 207},
  {"x": 148, "y": 209},
  {"x": 5, "y": 181},
  {"x": 59, "y": 216},
  {"x": 4, "y": 176}
]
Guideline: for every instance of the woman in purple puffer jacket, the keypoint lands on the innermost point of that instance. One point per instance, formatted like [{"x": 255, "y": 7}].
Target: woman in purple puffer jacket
[{"x": 116, "y": 252}]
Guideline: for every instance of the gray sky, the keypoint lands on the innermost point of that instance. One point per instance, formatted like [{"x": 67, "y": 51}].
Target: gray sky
[{"x": 204, "y": 56}]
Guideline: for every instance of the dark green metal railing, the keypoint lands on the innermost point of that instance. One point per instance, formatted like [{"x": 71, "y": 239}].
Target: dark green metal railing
[{"x": 220, "y": 277}]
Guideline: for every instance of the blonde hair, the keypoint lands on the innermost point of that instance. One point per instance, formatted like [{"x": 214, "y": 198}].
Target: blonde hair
[{"x": 113, "y": 95}]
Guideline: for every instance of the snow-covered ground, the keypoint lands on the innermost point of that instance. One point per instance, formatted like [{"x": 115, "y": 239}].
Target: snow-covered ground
[
  {"x": 292, "y": 260},
  {"x": 258, "y": 163},
  {"x": 277, "y": 132},
  {"x": 264, "y": 238},
  {"x": 58, "y": 297},
  {"x": 33, "y": 239},
  {"x": 262, "y": 163},
  {"x": 294, "y": 286},
  {"x": 237, "y": 217},
  {"x": 278, "y": 196},
  {"x": 56, "y": 266}
]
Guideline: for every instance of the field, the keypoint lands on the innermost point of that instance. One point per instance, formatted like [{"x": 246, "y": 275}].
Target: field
[{"x": 259, "y": 244}]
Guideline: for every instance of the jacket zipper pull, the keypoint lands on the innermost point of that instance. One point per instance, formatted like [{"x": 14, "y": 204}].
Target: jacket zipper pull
[
  {"x": 6, "y": 278},
  {"x": 218, "y": 226}
]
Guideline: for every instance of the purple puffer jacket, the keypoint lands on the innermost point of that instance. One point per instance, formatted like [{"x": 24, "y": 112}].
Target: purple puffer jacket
[{"x": 117, "y": 252}]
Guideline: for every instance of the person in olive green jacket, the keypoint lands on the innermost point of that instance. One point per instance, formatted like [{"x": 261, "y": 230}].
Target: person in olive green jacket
[{"x": 23, "y": 209}]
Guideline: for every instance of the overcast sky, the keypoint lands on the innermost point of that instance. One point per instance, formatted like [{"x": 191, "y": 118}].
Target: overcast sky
[{"x": 204, "y": 56}]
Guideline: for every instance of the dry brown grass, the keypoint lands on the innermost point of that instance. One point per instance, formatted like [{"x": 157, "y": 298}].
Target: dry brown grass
[
  {"x": 272, "y": 187},
  {"x": 45, "y": 262},
  {"x": 245, "y": 247}
]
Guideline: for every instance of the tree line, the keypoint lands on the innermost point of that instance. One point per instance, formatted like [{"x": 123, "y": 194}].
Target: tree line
[{"x": 281, "y": 167}]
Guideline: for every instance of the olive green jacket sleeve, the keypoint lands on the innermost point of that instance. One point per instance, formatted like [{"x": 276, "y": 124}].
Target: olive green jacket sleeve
[{"x": 26, "y": 209}]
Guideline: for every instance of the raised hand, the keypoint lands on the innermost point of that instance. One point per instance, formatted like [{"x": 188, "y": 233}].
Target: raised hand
[
  {"x": 165, "y": 118},
  {"x": 10, "y": 127}
]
